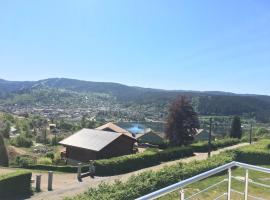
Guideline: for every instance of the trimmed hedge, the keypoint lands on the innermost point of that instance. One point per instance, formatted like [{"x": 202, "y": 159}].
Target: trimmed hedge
[
  {"x": 124, "y": 164},
  {"x": 129, "y": 163},
  {"x": 257, "y": 154},
  {"x": 16, "y": 184},
  {"x": 150, "y": 181},
  {"x": 203, "y": 146}
]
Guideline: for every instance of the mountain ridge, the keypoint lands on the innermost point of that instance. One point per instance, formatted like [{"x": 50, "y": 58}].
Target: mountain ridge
[
  {"x": 71, "y": 92},
  {"x": 55, "y": 80}
]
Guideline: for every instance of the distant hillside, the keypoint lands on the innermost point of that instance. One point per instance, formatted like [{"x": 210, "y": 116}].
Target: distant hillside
[{"x": 70, "y": 92}]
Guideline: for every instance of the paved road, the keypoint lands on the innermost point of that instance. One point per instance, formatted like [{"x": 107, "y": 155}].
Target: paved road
[{"x": 67, "y": 185}]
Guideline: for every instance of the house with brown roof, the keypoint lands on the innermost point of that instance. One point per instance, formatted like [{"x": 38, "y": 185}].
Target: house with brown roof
[
  {"x": 150, "y": 137},
  {"x": 114, "y": 128},
  {"x": 92, "y": 144}
]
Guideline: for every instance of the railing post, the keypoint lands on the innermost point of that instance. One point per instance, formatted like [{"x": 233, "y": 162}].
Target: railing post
[
  {"x": 229, "y": 183},
  {"x": 38, "y": 181},
  {"x": 182, "y": 194},
  {"x": 246, "y": 185},
  {"x": 79, "y": 172},
  {"x": 50, "y": 180}
]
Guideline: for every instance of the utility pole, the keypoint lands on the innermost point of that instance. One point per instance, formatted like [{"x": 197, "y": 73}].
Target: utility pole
[
  {"x": 210, "y": 138},
  {"x": 250, "y": 133}
]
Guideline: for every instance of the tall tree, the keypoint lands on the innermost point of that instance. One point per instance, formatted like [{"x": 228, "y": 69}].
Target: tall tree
[
  {"x": 3, "y": 153},
  {"x": 6, "y": 129},
  {"x": 182, "y": 122},
  {"x": 236, "y": 129}
]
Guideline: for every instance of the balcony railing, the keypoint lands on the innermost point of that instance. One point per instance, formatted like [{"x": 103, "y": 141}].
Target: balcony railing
[{"x": 228, "y": 167}]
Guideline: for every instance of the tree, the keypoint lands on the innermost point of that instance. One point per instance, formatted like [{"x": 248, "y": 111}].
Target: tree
[
  {"x": 83, "y": 122},
  {"x": 236, "y": 129},
  {"x": 6, "y": 129},
  {"x": 182, "y": 122},
  {"x": 3, "y": 153}
]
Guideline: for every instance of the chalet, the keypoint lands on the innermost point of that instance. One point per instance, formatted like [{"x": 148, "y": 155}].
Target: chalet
[
  {"x": 150, "y": 137},
  {"x": 114, "y": 128},
  {"x": 92, "y": 144},
  {"x": 202, "y": 135}
]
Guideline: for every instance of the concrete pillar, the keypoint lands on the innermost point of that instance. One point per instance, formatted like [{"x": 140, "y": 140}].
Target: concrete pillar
[
  {"x": 92, "y": 169},
  {"x": 50, "y": 180},
  {"x": 38, "y": 182},
  {"x": 79, "y": 172}
]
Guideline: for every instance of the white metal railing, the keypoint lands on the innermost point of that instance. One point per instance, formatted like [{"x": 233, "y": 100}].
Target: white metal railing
[{"x": 180, "y": 185}]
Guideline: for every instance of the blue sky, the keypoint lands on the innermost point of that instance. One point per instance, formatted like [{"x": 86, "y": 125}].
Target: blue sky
[{"x": 170, "y": 44}]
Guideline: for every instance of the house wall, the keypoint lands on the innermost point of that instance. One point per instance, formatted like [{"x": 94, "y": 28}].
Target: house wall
[
  {"x": 79, "y": 154},
  {"x": 121, "y": 146}
]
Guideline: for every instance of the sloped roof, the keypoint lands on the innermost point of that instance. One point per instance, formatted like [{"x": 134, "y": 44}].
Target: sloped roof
[
  {"x": 115, "y": 128},
  {"x": 91, "y": 139},
  {"x": 160, "y": 135},
  {"x": 200, "y": 131}
]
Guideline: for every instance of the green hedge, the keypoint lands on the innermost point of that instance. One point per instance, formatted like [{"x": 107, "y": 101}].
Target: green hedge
[
  {"x": 129, "y": 163},
  {"x": 124, "y": 164},
  {"x": 16, "y": 184},
  {"x": 203, "y": 146},
  {"x": 150, "y": 181},
  {"x": 257, "y": 154}
]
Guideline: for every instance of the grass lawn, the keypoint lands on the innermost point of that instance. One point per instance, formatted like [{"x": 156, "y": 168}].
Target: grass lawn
[{"x": 254, "y": 190}]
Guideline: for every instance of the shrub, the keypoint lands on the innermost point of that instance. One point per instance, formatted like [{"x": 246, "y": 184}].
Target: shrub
[
  {"x": 129, "y": 163},
  {"x": 15, "y": 184},
  {"x": 50, "y": 155},
  {"x": 203, "y": 146},
  {"x": 44, "y": 161},
  {"x": 21, "y": 141},
  {"x": 257, "y": 154},
  {"x": 124, "y": 164},
  {"x": 24, "y": 161}
]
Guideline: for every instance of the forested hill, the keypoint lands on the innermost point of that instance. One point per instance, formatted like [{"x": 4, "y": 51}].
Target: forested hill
[{"x": 68, "y": 90}]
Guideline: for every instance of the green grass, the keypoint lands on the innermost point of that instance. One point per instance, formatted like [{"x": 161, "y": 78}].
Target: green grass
[{"x": 213, "y": 193}]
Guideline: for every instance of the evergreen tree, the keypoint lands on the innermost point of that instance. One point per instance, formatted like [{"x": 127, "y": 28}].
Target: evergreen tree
[
  {"x": 236, "y": 130},
  {"x": 6, "y": 129},
  {"x": 182, "y": 122},
  {"x": 3, "y": 153},
  {"x": 83, "y": 122}
]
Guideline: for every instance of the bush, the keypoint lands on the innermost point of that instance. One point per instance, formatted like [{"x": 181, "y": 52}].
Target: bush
[
  {"x": 124, "y": 164},
  {"x": 16, "y": 184},
  {"x": 44, "y": 161},
  {"x": 129, "y": 163},
  {"x": 257, "y": 154},
  {"x": 203, "y": 146},
  {"x": 50, "y": 155},
  {"x": 150, "y": 181},
  {"x": 21, "y": 141},
  {"x": 24, "y": 161}
]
